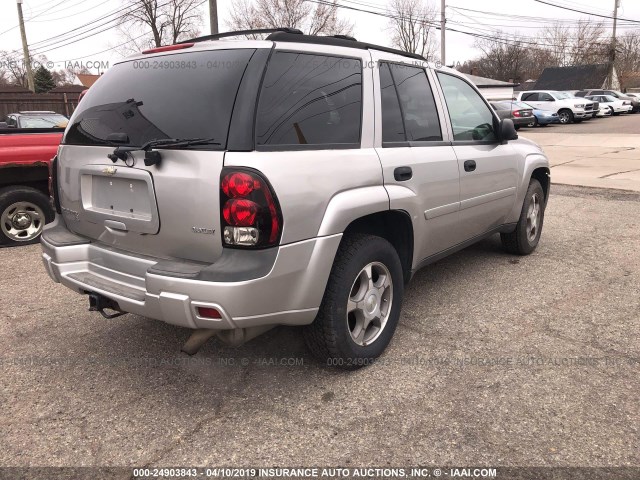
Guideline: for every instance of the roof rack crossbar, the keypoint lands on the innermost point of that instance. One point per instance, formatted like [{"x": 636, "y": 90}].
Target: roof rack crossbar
[{"x": 237, "y": 33}]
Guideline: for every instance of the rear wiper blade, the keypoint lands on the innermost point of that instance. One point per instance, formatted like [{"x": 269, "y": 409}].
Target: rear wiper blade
[
  {"x": 176, "y": 143},
  {"x": 152, "y": 157}
]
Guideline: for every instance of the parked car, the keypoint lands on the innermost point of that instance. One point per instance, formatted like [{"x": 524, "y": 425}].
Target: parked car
[
  {"x": 36, "y": 119},
  {"x": 570, "y": 109},
  {"x": 25, "y": 157},
  {"x": 615, "y": 105},
  {"x": 541, "y": 117},
  {"x": 596, "y": 107},
  {"x": 302, "y": 191},
  {"x": 635, "y": 102},
  {"x": 520, "y": 114}
]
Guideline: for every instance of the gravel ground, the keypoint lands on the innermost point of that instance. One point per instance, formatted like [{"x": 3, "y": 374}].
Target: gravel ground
[{"x": 498, "y": 361}]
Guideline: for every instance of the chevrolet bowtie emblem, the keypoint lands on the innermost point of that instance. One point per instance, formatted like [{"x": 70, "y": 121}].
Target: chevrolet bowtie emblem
[{"x": 110, "y": 170}]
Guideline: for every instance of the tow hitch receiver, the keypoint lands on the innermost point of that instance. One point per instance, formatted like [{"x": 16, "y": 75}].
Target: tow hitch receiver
[{"x": 98, "y": 303}]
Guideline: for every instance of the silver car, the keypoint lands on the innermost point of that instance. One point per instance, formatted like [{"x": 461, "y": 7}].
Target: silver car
[{"x": 229, "y": 187}]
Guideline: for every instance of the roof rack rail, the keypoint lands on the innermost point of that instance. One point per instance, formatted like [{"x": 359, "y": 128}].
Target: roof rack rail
[
  {"x": 339, "y": 41},
  {"x": 237, "y": 33},
  {"x": 345, "y": 37}
]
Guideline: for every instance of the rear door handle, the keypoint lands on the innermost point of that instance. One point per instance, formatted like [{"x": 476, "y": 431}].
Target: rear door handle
[
  {"x": 402, "y": 174},
  {"x": 469, "y": 165}
]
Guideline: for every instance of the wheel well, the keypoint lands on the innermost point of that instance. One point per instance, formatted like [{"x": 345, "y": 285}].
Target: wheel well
[
  {"x": 36, "y": 176},
  {"x": 394, "y": 226},
  {"x": 542, "y": 175}
]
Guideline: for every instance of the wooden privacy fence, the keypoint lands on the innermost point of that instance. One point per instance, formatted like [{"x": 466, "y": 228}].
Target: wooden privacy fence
[{"x": 63, "y": 103}]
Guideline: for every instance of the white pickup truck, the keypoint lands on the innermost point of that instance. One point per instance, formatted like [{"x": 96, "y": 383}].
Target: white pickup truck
[{"x": 569, "y": 108}]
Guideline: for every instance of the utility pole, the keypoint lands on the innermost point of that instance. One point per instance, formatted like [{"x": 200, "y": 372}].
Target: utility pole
[
  {"x": 443, "y": 22},
  {"x": 25, "y": 48},
  {"x": 213, "y": 16},
  {"x": 612, "y": 57}
]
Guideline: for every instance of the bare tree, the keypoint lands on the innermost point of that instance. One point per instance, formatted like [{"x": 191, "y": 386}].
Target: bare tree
[
  {"x": 628, "y": 56},
  {"x": 504, "y": 57},
  {"x": 68, "y": 75},
  {"x": 14, "y": 69},
  {"x": 153, "y": 23},
  {"x": 311, "y": 18},
  {"x": 580, "y": 44},
  {"x": 413, "y": 27}
]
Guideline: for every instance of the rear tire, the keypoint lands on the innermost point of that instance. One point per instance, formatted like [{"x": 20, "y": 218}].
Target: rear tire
[
  {"x": 360, "y": 308},
  {"x": 24, "y": 211},
  {"x": 524, "y": 239}
]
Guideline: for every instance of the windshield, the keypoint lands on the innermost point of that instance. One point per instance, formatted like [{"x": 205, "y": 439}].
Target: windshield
[
  {"x": 563, "y": 95},
  {"x": 43, "y": 121},
  {"x": 182, "y": 96}
]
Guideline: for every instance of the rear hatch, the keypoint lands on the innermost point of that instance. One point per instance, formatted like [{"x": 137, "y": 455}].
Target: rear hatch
[{"x": 169, "y": 210}]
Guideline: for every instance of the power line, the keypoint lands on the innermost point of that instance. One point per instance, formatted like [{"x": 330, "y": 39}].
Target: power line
[
  {"x": 532, "y": 43},
  {"x": 610, "y": 17}
]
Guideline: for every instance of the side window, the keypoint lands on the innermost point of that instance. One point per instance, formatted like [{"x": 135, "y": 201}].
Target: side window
[
  {"x": 530, "y": 97},
  {"x": 11, "y": 121},
  {"x": 392, "y": 125},
  {"x": 471, "y": 118},
  {"x": 418, "y": 107},
  {"x": 545, "y": 97},
  {"x": 310, "y": 99}
]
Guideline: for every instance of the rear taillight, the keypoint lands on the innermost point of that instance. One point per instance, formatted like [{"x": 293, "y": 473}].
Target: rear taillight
[
  {"x": 53, "y": 185},
  {"x": 250, "y": 214},
  {"x": 516, "y": 113}
]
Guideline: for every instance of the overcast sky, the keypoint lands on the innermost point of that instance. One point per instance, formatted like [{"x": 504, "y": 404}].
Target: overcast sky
[{"x": 48, "y": 18}]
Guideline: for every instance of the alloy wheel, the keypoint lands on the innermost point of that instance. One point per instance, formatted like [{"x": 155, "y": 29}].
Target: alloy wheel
[
  {"x": 369, "y": 304},
  {"x": 533, "y": 217}
]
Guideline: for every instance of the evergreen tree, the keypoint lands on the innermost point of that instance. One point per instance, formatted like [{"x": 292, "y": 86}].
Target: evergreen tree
[{"x": 43, "y": 80}]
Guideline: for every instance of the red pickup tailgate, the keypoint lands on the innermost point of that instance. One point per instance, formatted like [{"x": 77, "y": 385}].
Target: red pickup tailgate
[{"x": 28, "y": 148}]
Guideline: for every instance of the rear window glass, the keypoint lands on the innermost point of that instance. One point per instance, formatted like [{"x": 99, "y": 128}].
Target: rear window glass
[
  {"x": 417, "y": 103},
  {"x": 310, "y": 99},
  {"x": 392, "y": 124},
  {"x": 190, "y": 95},
  {"x": 43, "y": 121}
]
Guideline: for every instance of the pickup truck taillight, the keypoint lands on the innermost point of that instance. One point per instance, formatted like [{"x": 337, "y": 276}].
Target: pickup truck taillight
[
  {"x": 250, "y": 213},
  {"x": 53, "y": 185}
]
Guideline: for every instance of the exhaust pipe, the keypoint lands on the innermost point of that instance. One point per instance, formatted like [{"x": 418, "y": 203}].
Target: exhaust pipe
[{"x": 234, "y": 337}]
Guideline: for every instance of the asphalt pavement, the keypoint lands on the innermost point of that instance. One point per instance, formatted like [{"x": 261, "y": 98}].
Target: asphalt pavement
[
  {"x": 498, "y": 361},
  {"x": 601, "y": 152}
]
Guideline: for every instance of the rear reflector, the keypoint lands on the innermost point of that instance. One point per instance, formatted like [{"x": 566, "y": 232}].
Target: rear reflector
[
  {"x": 168, "y": 48},
  {"x": 207, "y": 312}
]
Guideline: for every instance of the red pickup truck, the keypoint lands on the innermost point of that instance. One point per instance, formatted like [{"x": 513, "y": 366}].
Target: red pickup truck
[{"x": 25, "y": 157}]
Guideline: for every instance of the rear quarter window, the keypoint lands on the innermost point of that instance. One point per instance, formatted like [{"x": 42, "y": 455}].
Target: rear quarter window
[
  {"x": 190, "y": 95},
  {"x": 312, "y": 100}
]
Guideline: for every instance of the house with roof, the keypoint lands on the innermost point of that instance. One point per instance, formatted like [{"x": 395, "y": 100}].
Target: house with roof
[
  {"x": 87, "y": 80},
  {"x": 577, "y": 77},
  {"x": 493, "y": 90}
]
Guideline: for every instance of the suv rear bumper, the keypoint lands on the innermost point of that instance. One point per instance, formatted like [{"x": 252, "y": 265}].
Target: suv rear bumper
[{"x": 286, "y": 292}]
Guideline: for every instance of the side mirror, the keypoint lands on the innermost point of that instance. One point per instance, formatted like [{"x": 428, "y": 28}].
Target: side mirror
[{"x": 507, "y": 130}]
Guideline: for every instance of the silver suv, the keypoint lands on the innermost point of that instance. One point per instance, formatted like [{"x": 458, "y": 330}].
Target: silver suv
[{"x": 231, "y": 186}]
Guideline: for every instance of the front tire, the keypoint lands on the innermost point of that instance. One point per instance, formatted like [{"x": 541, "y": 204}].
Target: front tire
[
  {"x": 524, "y": 239},
  {"x": 566, "y": 116},
  {"x": 24, "y": 211},
  {"x": 361, "y": 304}
]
